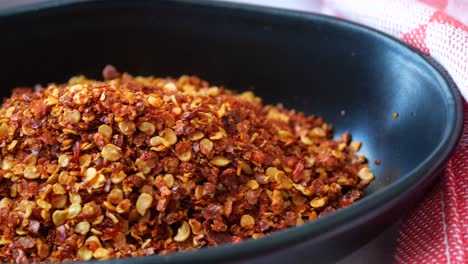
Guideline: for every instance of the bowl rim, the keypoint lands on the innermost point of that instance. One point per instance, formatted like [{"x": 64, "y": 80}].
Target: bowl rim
[{"x": 340, "y": 220}]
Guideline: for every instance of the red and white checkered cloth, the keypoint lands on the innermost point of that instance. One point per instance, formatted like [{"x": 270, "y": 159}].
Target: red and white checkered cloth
[{"x": 437, "y": 230}]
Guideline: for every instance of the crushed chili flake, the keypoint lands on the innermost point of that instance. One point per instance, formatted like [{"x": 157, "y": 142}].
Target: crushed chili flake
[{"x": 137, "y": 166}]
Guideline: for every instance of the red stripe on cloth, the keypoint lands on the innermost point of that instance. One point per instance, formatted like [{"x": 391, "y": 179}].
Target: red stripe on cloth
[
  {"x": 417, "y": 39},
  {"x": 456, "y": 188},
  {"x": 437, "y": 230},
  {"x": 420, "y": 238},
  {"x": 442, "y": 18}
]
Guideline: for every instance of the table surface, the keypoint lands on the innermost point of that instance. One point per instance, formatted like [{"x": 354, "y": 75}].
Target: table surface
[{"x": 380, "y": 249}]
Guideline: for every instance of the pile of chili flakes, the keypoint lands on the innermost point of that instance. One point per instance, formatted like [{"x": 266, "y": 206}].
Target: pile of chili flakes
[{"x": 137, "y": 166}]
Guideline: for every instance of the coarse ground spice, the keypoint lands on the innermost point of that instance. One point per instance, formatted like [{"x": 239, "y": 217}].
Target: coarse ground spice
[{"x": 137, "y": 166}]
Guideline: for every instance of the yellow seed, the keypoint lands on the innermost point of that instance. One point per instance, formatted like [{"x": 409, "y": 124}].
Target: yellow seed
[
  {"x": 64, "y": 178},
  {"x": 312, "y": 216},
  {"x": 43, "y": 249},
  {"x": 5, "y": 242},
  {"x": 59, "y": 217},
  {"x": 115, "y": 196},
  {"x": 170, "y": 86},
  {"x": 8, "y": 175},
  {"x": 74, "y": 210},
  {"x": 109, "y": 206},
  {"x": 196, "y": 226},
  {"x": 8, "y": 163},
  {"x": 336, "y": 153},
  {"x": 111, "y": 152},
  {"x": 198, "y": 192},
  {"x": 127, "y": 127},
  {"x": 155, "y": 101},
  {"x": 27, "y": 207},
  {"x": 247, "y": 221},
  {"x": 183, "y": 232},
  {"x": 21, "y": 232},
  {"x": 99, "y": 181},
  {"x": 306, "y": 140},
  {"x": 341, "y": 146},
  {"x": 117, "y": 178},
  {"x": 275, "y": 114},
  {"x": 105, "y": 131},
  {"x": 50, "y": 101},
  {"x": 146, "y": 243},
  {"x": 97, "y": 221},
  {"x": 142, "y": 166},
  {"x": 75, "y": 198},
  {"x": 82, "y": 228},
  {"x": 355, "y": 145},
  {"x": 253, "y": 184},
  {"x": 69, "y": 131},
  {"x": 6, "y": 203},
  {"x": 147, "y": 128},
  {"x": 4, "y": 130},
  {"x": 76, "y": 87},
  {"x": 318, "y": 131},
  {"x": 195, "y": 103},
  {"x": 72, "y": 115},
  {"x": 220, "y": 161},
  {"x": 93, "y": 239},
  {"x": 185, "y": 156},
  {"x": 45, "y": 215},
  {"x": 88, "y": 117},
  {"x": 85, "y": 160},
  {"x": 302, "y": 189},
  {"x": 318, "y": 202},
  {"x": 31, "y": 173},
  {"x": 222, "y": 110},
  {"x": 84, "y": 253},
  {"x": 158, "y": 143},
  {"x": 283, "y": 180},
  {"x": 12, "y": 145},
  {"x": 365, "y": 174},
  {"x": 271, "y": 172},
  {"x": 102, "y": 253},
  {"x": 94, "y": 231},
  {"x": 58, "y": 189},
  {"x": 170, "y": 137},
  {"x": 80, "y": 98},
  {"x": 299, "y": 221},
  {"x": 169, "y": 180},
  {"x": 123, "y": 207},
  {"x": 14, "y": 190},
  {"x": 112, "y": 217},
  {"x": 197, "y": 135},
  {"x": 219, "y": 135},
  {"x": 206, "y": 146},
  {"x": 10, "y": 111},
  {"x": 143, "y": 203},
  {"x": 91, "y": 173},
  {"x": 18, "y": 169}
]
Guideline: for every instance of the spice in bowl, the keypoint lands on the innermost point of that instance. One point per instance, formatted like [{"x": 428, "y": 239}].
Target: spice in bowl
[{"x": 134, "y": 166}]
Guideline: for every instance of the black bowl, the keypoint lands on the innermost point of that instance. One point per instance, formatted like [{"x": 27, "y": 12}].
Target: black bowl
[{"x": 309, "y": 62}]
